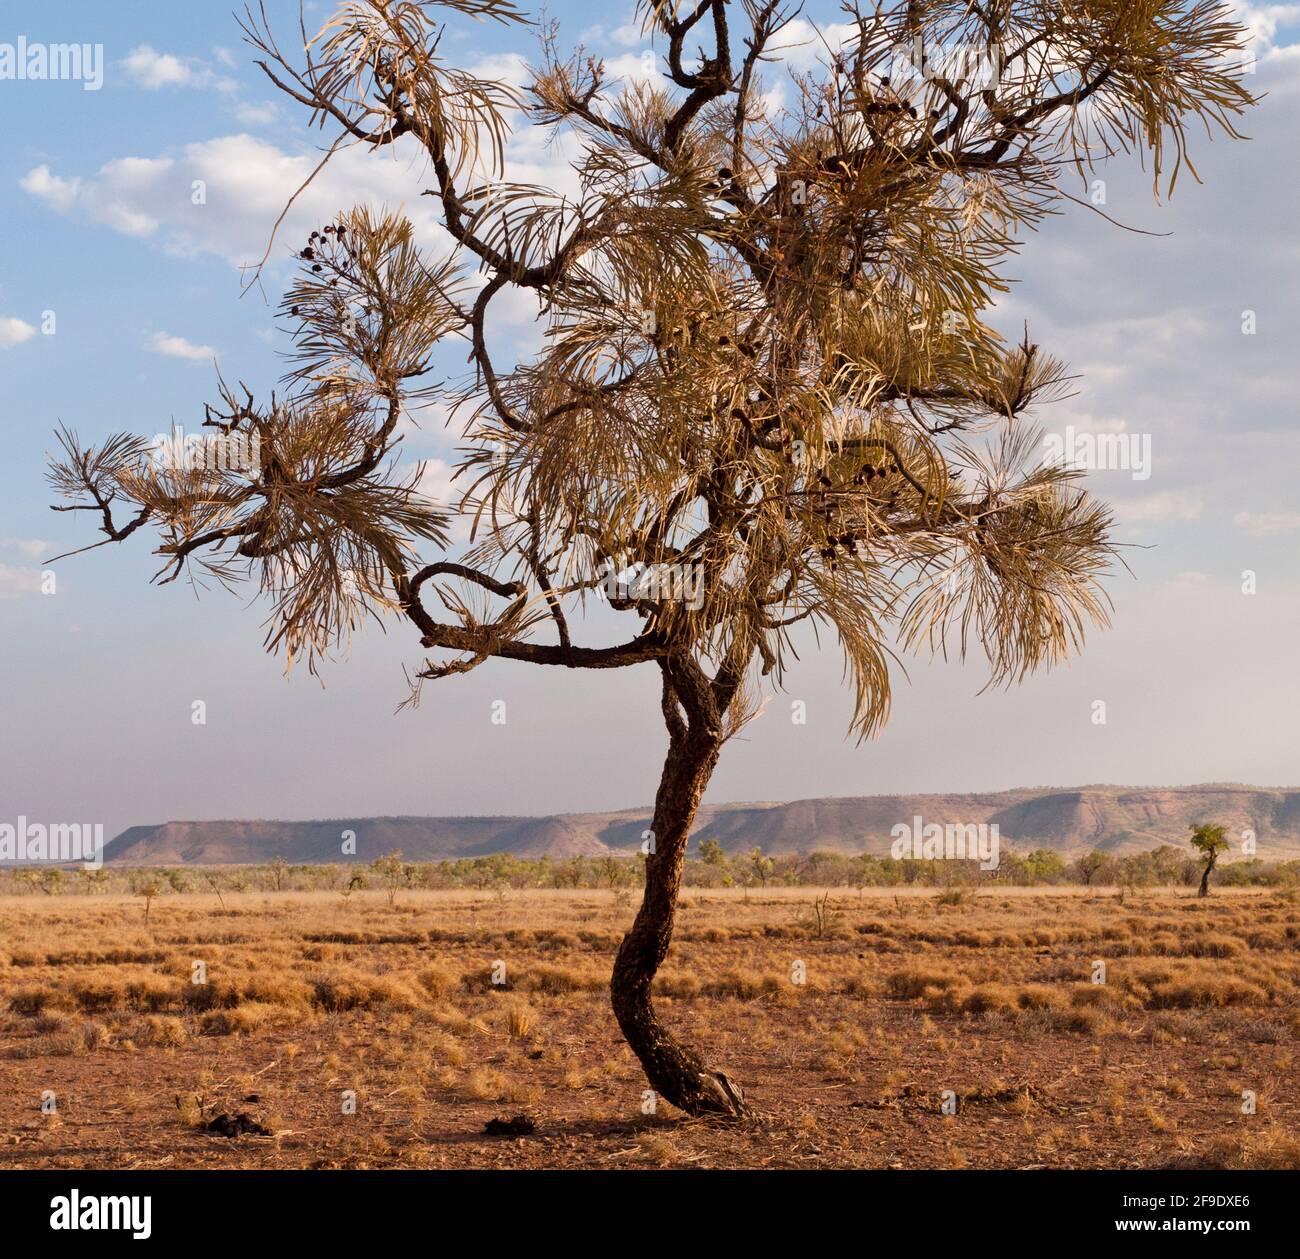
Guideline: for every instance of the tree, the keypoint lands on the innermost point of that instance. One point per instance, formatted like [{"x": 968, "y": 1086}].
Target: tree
[
  {"x": 391, "y": 870},
  {"x": 760, "y": 866},
  {"x": 1167, "y": 863},
  {"x": 1208, "y": 839},
  {"x": 96, "y": 880},
  {"x": 769, "y": 393},
  {"x": 1094, "y": 865},
  {"x": 214, "y": 882},
  {"x": 149, "y": 887},
  {"x": 613, "y": 871},
  {"x": 711, "y": 853},
  {"x": 278, "y": 868},
  {"x": 1043, "y": 865}
]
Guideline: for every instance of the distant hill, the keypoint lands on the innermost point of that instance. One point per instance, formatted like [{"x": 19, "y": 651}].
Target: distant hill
[{"x": 1117, "y": 819}]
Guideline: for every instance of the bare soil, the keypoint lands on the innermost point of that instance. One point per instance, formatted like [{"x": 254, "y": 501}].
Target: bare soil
[{"x": 363, "y": 1034}]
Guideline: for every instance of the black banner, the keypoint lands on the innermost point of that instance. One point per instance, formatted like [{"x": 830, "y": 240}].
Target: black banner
[{"x": 92, "y": 1209}]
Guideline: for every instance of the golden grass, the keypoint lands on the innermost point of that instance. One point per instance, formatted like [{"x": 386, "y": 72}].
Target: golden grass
[{"x": 909, "y": 995}]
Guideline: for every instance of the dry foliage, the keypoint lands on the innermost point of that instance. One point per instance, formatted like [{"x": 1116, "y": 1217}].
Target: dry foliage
[{"x": 766, "y": 358}]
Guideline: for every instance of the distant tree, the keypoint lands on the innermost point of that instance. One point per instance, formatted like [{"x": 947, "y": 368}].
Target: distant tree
[
  {"x": 892, "y": 872},
  {"x": 1094, "y": 866},
  {"x": 1167, "y": 864},
  {"x": 865, "y": 872},
  {"x": 278, "y": 868},
  {"x": 760, "y": 866},
  {"x": 568, "y": 873},
  {"x": 770, "y": 390},
  {"x": 213, "y": 880},
  {"x": 392, "y": 872},
  {"x": 1044, "y": 865},
  {"x": 1209, "y": 839},
  {"x": 711, "y": 853},
  {"x": 149, "y": 888},
  {"x": 821, "y": 919},
  {"x": 821, "y": 869},
  {"x": 911, "y": 869},
  {"x": 96, "y": 880},
  {"x": 1011, "y": 867},
  {"x": 613, "y": 871}
]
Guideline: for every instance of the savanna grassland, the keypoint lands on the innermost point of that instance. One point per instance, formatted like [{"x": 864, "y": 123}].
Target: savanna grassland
[{"x": 310, "y": 998}]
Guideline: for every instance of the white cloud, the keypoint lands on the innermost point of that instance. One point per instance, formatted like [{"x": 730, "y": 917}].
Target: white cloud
[
  {"x": 626, "y": 35},
  {"x": 1263, "y": 21},
  {"x": 1190, "y": 580},
  {"x": 16, "y": 582},
  {"x": 504, "y": 67},
  {"x": 641, "y": 67},
  {"x": 56, "y": 192},
  {"x": 1265, "y": 524},
  {"x": 178, "y": 347},
  {"x": 1114, "y": 348},
  {"x": 1062, "y": 415},
  {"x": 155, "y": 70},
  {"x": 14, "y": 331},
  {"x": 107, "y": 199},
  {"x": 134, "y": 175},
  {"x": 1161, "y": 506},
  {"x": 129, "y": 222},
  {"x": 249, "y": 181},
  {"x": 427, "y": 425},
  {"x": 802, "y": 44},
  {"x": 436, "y": 485},
  {"x": 30, "y": 547},
  {"x": 257, "y": 115}
]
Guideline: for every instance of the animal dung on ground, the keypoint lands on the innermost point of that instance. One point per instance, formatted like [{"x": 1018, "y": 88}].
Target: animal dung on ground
[{"x": 236, "y": 1125}]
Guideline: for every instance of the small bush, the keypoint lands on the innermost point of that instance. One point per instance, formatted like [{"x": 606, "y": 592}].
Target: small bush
[{"x": 162, "y": 1031}]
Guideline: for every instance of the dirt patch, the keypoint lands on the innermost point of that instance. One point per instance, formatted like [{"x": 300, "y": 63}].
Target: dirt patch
[{"x": 917, "y": 1034}]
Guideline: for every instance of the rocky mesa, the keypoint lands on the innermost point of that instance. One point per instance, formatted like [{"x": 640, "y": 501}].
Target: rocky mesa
[{"x": 1069, "y": 820}]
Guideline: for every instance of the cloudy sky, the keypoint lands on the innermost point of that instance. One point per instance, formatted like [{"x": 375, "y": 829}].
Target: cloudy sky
[{"x": 117, "y": 292}]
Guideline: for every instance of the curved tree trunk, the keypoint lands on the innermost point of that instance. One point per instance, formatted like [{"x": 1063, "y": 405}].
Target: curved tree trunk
[
  {"x": 674, "y": 1070},
  {"x": 1205, "y": 878}
]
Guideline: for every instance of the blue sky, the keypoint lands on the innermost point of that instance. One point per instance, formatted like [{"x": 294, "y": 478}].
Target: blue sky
[{"x": 98, "y": 679}]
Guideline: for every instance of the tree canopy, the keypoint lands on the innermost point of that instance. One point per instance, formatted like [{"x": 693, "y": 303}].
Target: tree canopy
[{"x": 767, "y": 354}]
